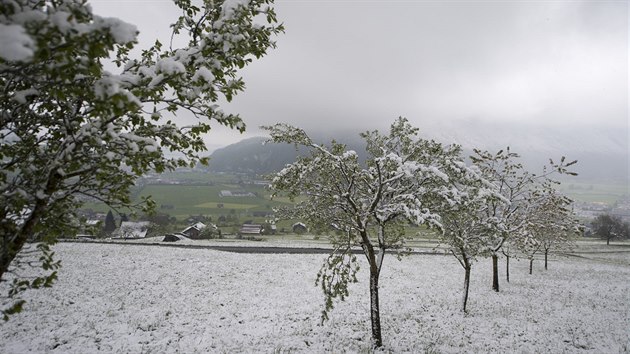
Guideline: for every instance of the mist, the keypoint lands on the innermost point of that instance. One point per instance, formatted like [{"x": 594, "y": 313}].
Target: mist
[{"x": 546, "y": 78}]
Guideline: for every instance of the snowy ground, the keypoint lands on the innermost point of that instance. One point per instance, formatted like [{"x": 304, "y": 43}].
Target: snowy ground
[
  {"x": 265, "y": 241},
  {"x": 132, "y": 299}
]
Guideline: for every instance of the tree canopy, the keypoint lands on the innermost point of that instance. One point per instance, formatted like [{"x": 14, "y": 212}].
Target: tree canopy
[
  {"x": 610, "y": 227},
  {"x": 71, "y": 131},
  {"x": 403, "y": 180}
]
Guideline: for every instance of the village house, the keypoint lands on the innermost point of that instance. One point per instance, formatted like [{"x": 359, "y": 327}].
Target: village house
[
  {"x": 299, "y": 228},
  {"x": 236, "y": 193},
  {"x": 132, "y": 229},
  {"x": 197, "y": 231},
  {"x": 194, "y": 231},
  {"x": 251, "y": 229}
]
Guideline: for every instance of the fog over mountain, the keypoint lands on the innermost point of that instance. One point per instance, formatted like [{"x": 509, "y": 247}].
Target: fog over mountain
[
  {"x": 602, "y": 153},
  {"x": 548, "y": 78}
]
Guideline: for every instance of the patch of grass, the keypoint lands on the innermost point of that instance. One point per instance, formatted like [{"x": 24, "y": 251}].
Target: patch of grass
[
  {"x": 228, "y": 206},
  {"x": 199, "y": 194},
  {"x": 181, "y": 195},
  {"x": 594, "y": 192}
]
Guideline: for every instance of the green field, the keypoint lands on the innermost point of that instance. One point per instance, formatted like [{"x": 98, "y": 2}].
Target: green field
[
  {"x": 594, "y": 192},
  {"x": 198, "y": 193},
  {"x": 183, "y": 200}
]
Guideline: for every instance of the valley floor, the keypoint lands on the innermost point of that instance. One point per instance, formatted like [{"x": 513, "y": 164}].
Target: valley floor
[{"x": 122, "y": 299}]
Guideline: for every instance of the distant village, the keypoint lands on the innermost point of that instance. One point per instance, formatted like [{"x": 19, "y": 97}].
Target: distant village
[
  {"x": 200, "y": 227},
  {"x": 195, "y": 231},
  {"x": 588, "y": 211},
  {"x": 231, "y": 226},
  {"x": 160, "y": 179}
]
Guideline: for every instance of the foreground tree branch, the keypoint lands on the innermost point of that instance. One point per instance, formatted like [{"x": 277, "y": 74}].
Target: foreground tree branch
[{"x": 70, "y": 128}]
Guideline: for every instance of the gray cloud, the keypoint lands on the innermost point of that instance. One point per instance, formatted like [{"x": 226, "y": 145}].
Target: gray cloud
[{"x": 360, "y": 64}]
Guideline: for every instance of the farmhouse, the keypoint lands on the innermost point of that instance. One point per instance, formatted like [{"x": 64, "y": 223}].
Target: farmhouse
[
  {"x": 238, "y": 193},
  {"x": 132, "y": 229},
  {"x": 251, "y": 229},
  {"x": 194, "y": 231},
  {"x": 299, "y": 228}
]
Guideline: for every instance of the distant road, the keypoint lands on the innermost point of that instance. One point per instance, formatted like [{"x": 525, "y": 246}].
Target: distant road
[
  {"x": 295, "y": 250},
  {"x": 264, "y": 250},
  {"x": 239, "y": 249}
]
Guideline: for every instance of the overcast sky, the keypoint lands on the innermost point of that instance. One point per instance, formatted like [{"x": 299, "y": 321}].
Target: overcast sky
[{"x": 443, "y": 64}]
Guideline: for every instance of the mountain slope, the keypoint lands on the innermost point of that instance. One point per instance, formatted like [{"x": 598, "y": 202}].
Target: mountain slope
[
  {"x": 601, "y": 155},
  {"x": 252, "y": 156}
]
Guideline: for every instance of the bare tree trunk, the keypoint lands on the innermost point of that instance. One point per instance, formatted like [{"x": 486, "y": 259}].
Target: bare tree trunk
[
  {"x": 467, "y": 267},
  {"x": 507, "y": 268},
  {"x": 531, "y": 265},
  {"x": 12, "y": 245},
  {"x": 546, "y": 252},
  {"x": 495, "y": 272},
  {"x": 375, "y": 314},
  {"x": 13, "y": 240}
]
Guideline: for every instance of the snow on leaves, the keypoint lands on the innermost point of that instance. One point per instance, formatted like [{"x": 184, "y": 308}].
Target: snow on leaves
[
  {"x": 15, "y": 44},
  {"x": 69, "y": 130},
  {"x": 366, "y": 204},
  {"x": 405, "y": 179}
]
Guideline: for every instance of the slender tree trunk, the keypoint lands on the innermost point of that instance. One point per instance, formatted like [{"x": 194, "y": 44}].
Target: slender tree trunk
[
  {"x": 467, "y": 267},
  {"x": 507, "y": 268},
  {"x": 546, "y": 252},
  {"x": 13, "y": 244},
  {"x": 495, "y": 272},
  {"x": 531, "y": 265},
  {"x": 375, "y": 314},
  {"x": 13, "y": 240},
  {"x": 608, "y": 241}
]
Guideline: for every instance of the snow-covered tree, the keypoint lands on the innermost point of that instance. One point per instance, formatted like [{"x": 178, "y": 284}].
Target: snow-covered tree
[
  {"x": 515, "y": 184},
  {"x": 550, "y": 224},
  {"x": 464, "y": 220},
  {"x": 366, "y": 204},
  {"x": 71, "y": 130},
  {"x": 530, "y": 246}
]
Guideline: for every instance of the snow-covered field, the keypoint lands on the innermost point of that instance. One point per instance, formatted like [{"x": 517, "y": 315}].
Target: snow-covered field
[{"x": 141, "y": 299}]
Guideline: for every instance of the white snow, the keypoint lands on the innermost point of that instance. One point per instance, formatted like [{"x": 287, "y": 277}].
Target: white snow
[
  {"x": 122, "y": 298},
  {"x": 349, "y": 154},
  {"x": 170, "y": 66},
  {"x": 61, "y": 20},
  {"x": 122, "y": 31},
  {"x": 20, "y": 96},
  {"x": 106, "y": 87},
  {"x": 229, "y": 7},
  {"x": 204, "y": 74},
  {"x": 15, "y": 44}
]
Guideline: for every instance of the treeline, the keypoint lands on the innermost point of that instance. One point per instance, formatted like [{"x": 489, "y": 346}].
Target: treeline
[{"x": 488, "y": 208}]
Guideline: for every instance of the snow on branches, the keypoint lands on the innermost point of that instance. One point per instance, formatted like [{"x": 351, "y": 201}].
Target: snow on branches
[
  {"x": 520, "y": 188},
  {"x": 70, "y": 130},
  {"x": 403, "y": 180}
]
